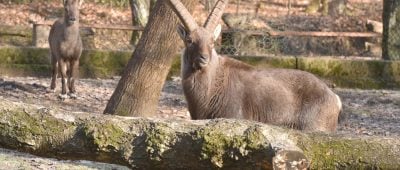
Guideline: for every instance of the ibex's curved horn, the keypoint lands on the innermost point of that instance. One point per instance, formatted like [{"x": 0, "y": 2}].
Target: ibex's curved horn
[
  {"x": 183, "y": 14},
  {"x": 215, "y": 15}
]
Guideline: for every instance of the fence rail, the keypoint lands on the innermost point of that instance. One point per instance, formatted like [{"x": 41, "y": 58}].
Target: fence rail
[
  {"x": 305, "y": 33},
  {"x": 234, "y": 41},
  {"x": 98, "y": 26},
  {"x": 250, "y": 32},
  {"x": 255, "y": 28}
]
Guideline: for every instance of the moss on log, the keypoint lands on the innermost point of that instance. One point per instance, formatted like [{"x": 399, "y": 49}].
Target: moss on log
[
  {"x": 159, "y": 144},
  {"x": 341, "y": 152}
]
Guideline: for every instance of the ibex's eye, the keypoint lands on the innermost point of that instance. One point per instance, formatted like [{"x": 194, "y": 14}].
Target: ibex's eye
[{"x": 189, "y": 41}]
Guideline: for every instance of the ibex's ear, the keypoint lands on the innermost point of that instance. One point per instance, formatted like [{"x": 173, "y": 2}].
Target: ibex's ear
[
  {"x": 64, "y": 2},
  {"x": 217, "y": 31},
  {"x": 182, "y": 32}
]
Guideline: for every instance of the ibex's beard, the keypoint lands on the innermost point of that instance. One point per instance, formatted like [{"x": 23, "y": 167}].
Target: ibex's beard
[{"x": 71, "y": 22}]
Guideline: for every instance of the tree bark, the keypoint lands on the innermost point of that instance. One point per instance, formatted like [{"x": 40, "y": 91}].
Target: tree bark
[
  {"x": 140, "y": 10},
  {"x": 391, "y": 33},
  {"x": 139, "y": 89},
  {"x": 183, "y": 144}
]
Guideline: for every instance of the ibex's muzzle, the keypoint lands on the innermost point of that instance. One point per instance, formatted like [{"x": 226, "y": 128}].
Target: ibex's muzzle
[
  {"x": 71, "y": 20},
  {"x": 200, "y": 62},
  {"x": 202, "y": 59}
]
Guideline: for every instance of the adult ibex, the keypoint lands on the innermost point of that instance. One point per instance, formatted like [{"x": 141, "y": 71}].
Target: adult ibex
[
  {"x": 221, "y": 87},
  {"x": 66, "y": 48}
]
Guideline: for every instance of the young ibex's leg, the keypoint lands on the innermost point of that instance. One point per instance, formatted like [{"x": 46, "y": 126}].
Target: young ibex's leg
[
  {"x": 54, "y": 73},
  {"x": 64, "y": 79},
  {"x": 74, "y": 69}
]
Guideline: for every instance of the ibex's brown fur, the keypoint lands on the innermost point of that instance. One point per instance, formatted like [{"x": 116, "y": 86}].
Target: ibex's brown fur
[
  {"x": 66, "y": 48},
  {"x": 220, "y": 87}
]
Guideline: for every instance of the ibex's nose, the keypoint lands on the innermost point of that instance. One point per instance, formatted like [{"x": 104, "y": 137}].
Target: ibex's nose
[
  {"x": 72, "y": 19},
  {"x": 202, "y": 60},
  {"x": 203, "y": 57}
]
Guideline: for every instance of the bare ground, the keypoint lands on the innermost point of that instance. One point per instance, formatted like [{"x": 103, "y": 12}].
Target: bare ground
[
  {"x": 367, "y": 112},
  {"x": 274, "y": 11},
  {"x": 16, "y": 160}
]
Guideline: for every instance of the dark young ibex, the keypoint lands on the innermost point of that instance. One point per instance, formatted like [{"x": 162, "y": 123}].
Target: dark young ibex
[
  {"x": 66, "y": 48},
  {"x": 220, "y": 87}
]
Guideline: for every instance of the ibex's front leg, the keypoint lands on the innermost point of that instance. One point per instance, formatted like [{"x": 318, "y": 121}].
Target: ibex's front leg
[
  {"x": 54, "y": 73},
  {"x": 64, "y": 81},
  {"x": 74, "y": 69}
]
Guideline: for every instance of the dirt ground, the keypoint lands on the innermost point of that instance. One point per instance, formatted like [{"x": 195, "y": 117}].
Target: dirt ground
[
  {"x": 10, "y": 160},
  {"x": 275, "y": 11},
  {"x": 367, "y": 112}
]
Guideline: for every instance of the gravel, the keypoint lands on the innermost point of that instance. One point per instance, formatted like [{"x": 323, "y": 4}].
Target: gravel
[{"x": 367, "y": 112}]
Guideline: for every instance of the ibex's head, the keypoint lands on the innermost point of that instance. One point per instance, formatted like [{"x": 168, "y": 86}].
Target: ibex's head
[
  {"x": 199, "y": 41},
  {"x": 71, "y": 8}
]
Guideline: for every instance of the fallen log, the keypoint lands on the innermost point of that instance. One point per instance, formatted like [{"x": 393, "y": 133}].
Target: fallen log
[{"x": 176, "y": 144}]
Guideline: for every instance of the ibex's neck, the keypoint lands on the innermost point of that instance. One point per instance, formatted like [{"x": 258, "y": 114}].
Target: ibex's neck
[
  {"x": 201, "y": 87},
  {"x": 200, "y": 83}
]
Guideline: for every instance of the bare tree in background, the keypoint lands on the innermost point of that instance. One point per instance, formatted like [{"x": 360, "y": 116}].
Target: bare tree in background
[
  {"x": 327, "y": 7},
  {"x": 139, "y": 89},
  {"x": 209, "y": 4},
  {"x": 140, "y": 10},
  {"x": 289, "y": 6}
]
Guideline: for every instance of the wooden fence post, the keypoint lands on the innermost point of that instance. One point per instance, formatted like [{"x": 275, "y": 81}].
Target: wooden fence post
[{"x": 40, "y": 35}]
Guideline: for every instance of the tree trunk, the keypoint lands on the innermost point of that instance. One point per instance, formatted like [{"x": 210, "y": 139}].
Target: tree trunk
[
  {"x": 336, "y": 7},
  {"x": 139, "y": 89},
  {"x": 183, "y": 144},
  {"x": 391, "y": 30},
  {"x": 140, "y": 10},
  {"x": 289, "y": 6}
]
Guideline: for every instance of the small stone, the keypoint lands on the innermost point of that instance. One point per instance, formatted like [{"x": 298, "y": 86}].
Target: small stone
[
  {"x": 62, "y": 97},
  {"x": 73, "y": 96}
]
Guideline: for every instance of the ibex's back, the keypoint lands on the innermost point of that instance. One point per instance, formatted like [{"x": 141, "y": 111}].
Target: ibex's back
[
  {"x": 66, "y": 47},
  {"x": 221, "y": 87}
]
